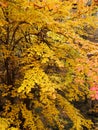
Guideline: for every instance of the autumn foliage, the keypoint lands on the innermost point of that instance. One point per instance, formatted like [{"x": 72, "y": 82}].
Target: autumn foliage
[{"x": 46, "y": 64}]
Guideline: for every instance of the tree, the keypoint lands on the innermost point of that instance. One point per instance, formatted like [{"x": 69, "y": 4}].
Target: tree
[{"x": 40, "y": 79}]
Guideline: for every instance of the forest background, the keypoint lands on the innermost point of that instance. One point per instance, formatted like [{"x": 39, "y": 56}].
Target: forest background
[{"x": 48, "y": 64}]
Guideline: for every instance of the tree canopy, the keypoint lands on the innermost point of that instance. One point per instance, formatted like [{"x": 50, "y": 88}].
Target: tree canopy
[{"x": 46, "y": 63}]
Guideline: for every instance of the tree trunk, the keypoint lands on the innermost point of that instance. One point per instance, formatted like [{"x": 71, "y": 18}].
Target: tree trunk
[{"x": 8, "y": 73}]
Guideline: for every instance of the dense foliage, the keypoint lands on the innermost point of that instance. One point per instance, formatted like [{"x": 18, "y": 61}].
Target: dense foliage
[{"x": 46, "y": 63}]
